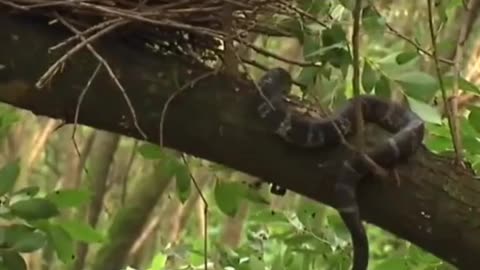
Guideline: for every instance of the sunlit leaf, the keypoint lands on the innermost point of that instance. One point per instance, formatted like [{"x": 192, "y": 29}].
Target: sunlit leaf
[
  {"x": 81, "y": 231},
  {"x": 425, "y": 111},
  {"x": 158, "y": 261},
  {"x": 373, "y": 24},
  {"x": 62, "y": 243},
  {"x": 228, "y": 196},
  {"x": 183, "y": 182},
  {"x": 150, "y": 151},
  {"x": 417, "y": 84},
  {"x": 474, "y": 118},
  {"x": 8, "y": 176},
  {"x": 69, "y": 197}
]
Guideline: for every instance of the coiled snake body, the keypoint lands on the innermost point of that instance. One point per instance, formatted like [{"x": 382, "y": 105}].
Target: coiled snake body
[{"x": 309, "y": 131}]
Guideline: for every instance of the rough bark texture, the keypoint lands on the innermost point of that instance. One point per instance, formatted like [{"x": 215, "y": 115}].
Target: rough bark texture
[{"x": 436, "y": 206}]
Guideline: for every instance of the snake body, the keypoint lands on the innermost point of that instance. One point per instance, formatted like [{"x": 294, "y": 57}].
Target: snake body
[{"x": 309, "y": 131}]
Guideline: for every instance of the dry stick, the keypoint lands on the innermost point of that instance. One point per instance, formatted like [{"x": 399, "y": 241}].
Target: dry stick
[
  {"x": 302, "y": 12},
  {"x": 32, "y": 4},
  {"x": 440, "y": 81},
  {"x": 53, "y": 68},
  {"x": 276, "y": 56},
  {"x": 110, "y": 72},
  {"x": 465, "y": 31},
  {"x": 416, "y": 45},
  {"x": 14, "y": 5},
  {"x": 77, "y": 112},
  {"x": 84, "y": 33},
  {"x": 357, "y": 13},
  {"x": 412, "y": 42},
  {"x": 230, "y": 60},
  {"x": 176, "y": 93},
  {"x": 163, "y": 22},
  {"x": 205, "y": 209},
  {"x": 171, "y": 23}
]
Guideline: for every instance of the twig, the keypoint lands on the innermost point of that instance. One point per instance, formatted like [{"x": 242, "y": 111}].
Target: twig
[
  {"x": 175, "y": 94},
  {"x": 276, "y": 56},
  {"x": 412, "y": 42},
  {"x": 450, "y": 116},
  {"x": 53, "y": 68},
  {"x": 77, "y": 112},
  {"x": 357, "y": 13},
  {"x": 82, "y": 96},
  {"x": 84, "y": 33},
  {"x": 204, "y": 200},
  {"x": 465, "y": 30},
  {"x": 110, "y": 72},
  {"x": 303, "y": 13}
]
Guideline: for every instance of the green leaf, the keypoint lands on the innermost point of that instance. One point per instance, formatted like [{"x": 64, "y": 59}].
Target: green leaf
[
  {"x": 228, "y": 196},
  {"x": 13, "y": 260},
  {"x": 425, "y": 111},
  {"x": 183, "y": 183},
  {"x": 35, "y": 208},
  {"x": 23, "y": 239},
  {"x": 382, "y": 87},
  {"x": 62, "y": 243},
  {"x": 150, "y": 151},
  {"x": 373, "y": 24},
  {"x": 81, "y": 231},
  {"x": 418, "y": 84},
  {"x": 369, "y": 77},
  {"x": 8, "y": 176},
  {"x": 393, "y": 263},
  {"x": 307, "y": 76},
  {"x": 406, "y": 57},
  {"x": 158, "y": 261},
  {"x": 69, "y": 197},
  {"x": 474, "y": 118},
  {"x": 311, "y": 47},
  {"x": 28, "y": 191}
]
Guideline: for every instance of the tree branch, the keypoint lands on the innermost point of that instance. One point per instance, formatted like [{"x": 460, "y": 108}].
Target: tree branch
[{"x": 436, "y": 207}]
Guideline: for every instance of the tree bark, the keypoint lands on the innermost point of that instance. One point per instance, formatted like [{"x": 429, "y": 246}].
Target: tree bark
[{"x": 435, "y": 207}]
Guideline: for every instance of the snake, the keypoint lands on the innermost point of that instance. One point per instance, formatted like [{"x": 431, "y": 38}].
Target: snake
[{"x": 310, "y": 131}]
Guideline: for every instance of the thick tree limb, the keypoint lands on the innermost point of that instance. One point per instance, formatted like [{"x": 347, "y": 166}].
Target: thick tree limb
[{"x": 436, "y": 206}]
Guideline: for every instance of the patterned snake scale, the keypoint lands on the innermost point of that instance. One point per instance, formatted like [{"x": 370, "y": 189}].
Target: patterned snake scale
[{"x": 309, "y": 131}]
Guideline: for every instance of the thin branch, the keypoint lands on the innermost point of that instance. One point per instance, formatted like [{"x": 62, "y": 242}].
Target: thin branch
[
  {"x": 84, "y": 33},
  {"x": 410, "y": 41},
  {"x": 175, "y": 94},
  {"x": 440, "y": 81},
  {"x": 357, "y": 14},
  {"x": 54, "y": 68},
  {"x": 465, "y": 30},
  {"x": 204, "y": 200},
  {"x": 110, "y": 72}
]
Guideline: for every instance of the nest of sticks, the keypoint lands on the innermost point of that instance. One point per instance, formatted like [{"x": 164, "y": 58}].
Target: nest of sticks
[{"x": 199, "y": 29}]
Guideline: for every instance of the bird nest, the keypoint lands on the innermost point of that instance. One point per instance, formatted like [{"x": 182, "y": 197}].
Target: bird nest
[{"x": 201, "y": 29}]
